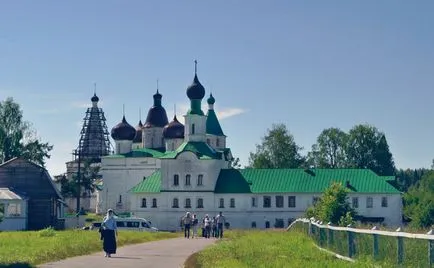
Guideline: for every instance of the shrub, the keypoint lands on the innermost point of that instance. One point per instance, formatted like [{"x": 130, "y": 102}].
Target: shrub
[{"x": 47, "y": 232}]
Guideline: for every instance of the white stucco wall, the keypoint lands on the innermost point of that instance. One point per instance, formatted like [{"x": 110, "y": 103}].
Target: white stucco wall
[
  {"x": 199, "y": 122},
  {"x": 119, "y": 176},
  {"x": 153, "y": 137},
  {"x": 243, "y": 214},
  {"x": 212, "y": 141},
  {"x": 123, "y": 146}
]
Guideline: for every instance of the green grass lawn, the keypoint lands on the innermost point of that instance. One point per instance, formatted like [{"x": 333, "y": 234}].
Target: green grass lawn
[
  {"x": 34, "y": 248},
  {"x": 267, "y": 249}
]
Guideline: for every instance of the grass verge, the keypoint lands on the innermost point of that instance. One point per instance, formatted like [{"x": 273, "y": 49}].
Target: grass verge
[
  {"x": 32, "y": 248},
  {"x": 266, "y": 249}
]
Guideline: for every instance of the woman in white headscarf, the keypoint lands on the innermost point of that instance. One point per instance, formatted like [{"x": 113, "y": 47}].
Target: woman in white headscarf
[{"x": 109, "y": 233}]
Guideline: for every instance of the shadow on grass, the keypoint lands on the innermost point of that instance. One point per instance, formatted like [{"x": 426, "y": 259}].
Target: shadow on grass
[{"x": 16, "y": 265}]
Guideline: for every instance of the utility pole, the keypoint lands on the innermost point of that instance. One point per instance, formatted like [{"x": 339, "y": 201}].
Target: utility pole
[{"x": 78, "y": 182}]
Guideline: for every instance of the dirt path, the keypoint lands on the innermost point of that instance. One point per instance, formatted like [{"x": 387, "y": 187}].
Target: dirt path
[{"x": 169, "y": 253}]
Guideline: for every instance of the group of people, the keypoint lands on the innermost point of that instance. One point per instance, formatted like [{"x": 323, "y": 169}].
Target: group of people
[{"x": 211, "y": 227}]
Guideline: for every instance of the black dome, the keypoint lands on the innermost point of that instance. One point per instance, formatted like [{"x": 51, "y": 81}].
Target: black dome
[
  {"x": 211, "y": 99},
  {"x": 94, "y": 98},
  {"x": 139, "y": 128},
  {"x": 123, "y": 131},
  {"x": 174, "y": 130},
  {"x": 157, "y": 116},
  {"x": 195, "y": 91}
]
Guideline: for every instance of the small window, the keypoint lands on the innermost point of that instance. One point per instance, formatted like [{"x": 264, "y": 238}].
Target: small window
[
  {"x": 369, "y": 202},
  {"x": 176, "y": 179},
  {"x": 192, "y": 128},
  {"x": 200, "y": 180},
  {"x": 143, "y": 202},
  {"x": 267, "y": 202},
  {"x": 188, "y": 180},
  {"x": 175, "y": 203},
  {"x": 217, "y": 142},
  {"x": 200, "y": 203},
  {"x": 315, "y": 200},
  {"x": 14, "y": 210},
  {"x": 187, "y": 203},
  {"x": 120, "y": 199},
  {"x": 253, "y": 224},
  {"x": 279, "y": 201},
  {"x": 254, "y": 203},
  {"x": 232, "y": 202},
  {"x": 291, "y": 202},
  {"x": 221, "y": 203},
  {"x": 384, "y": 202},
  {"x": 154, "y": 202},
  {"x": 355, "y": 202}
]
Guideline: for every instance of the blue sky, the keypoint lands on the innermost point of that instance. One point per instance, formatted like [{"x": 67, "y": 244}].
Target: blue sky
[{"x": 308, "y": 64}]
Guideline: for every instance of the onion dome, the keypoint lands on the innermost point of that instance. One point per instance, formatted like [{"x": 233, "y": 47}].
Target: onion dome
[
  {"x": 139, "y": 129},
  {"x": 157, "y": 116},
  {"x": 94, "y": 98},
  {"x": 211, "y": 99},
  {"x": 123, "y": 131},
  {"x": 195, "y": 91},
  {"x": 174, "y": 130}
]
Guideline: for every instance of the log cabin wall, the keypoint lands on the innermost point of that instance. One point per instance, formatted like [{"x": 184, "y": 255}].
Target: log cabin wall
[{"x": 34, "y": 182}]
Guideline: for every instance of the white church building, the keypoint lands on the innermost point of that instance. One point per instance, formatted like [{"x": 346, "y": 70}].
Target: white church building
[{"x": 162, "y": 169}]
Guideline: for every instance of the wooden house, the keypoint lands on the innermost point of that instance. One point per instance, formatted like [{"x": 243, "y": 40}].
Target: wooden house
[{"x": 45, "y": 206}]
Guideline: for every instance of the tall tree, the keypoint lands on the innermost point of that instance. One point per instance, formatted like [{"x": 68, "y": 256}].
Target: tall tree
[
  {"x": 419, "y": 202},
  {"x": 17, "y": 139},
  {"x": 277, "y": 150},
  {"x": 88, "y": 179},
  {"x": 367, "y": 148},
  {"x": 330, "y": 149}
]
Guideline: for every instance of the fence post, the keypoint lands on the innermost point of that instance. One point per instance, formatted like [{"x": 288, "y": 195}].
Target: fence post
[
  {"x": 430, "y": 249},
  {"x": 330, "y": 236},
  {"x": 351, "y": 247},
  {"x": 310, "y": 227},
  {"x": 375, "y": 246},
  {"x": 321, "y": 235},
  {"x": 400, "y": 247}
]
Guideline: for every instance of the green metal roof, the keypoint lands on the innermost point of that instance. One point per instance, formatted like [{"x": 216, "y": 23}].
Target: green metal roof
[
  {"x": 201, "y": 149},
  {"x": 151, "y": 184},
  {"x": 299, "y": 181},
  {"x": 212, "y": 124},
  {"x": 142, "y": 152}
]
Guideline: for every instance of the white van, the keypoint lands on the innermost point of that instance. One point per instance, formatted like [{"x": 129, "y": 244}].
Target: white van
[{"x": 135, "y": 224}]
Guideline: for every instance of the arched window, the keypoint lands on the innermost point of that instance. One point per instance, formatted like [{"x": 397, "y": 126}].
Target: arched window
[
  {"x": 154, "y": 202},
  {"x": 120, "y": 199},
  {"x": 187, "y": 203},
  {"x": 232, "y": 205},
  {"x": 143, "y": 202},
  {"x": 217, "y": 142},
  {"x": 188, "y": 179},
  {"x": 200, "y": 203},
  {"x": 192, "y": 128},
  {"x": 222, "y": 203},
  {"x": 176, "y": 179},
  {"x": 200, "y": 179},
  {"x": 175, "y": 203}
]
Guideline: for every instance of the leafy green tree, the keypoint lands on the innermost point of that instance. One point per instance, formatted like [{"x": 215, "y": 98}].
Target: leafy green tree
[
  {"x": 88, "y": 179},
  {"x": 367, "y": 148},
  {"x": 236, "y": 163},
  {"x": 17, "y": 139},
  {"x": 277, "y": 150},
  {"x": 333, "y": 206},
  {"x": 330, "y": 149},
  {"x": 419, "y": 202}
]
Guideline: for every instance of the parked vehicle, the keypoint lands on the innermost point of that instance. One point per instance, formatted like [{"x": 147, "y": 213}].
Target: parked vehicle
[{"x": 132, "y": 223}]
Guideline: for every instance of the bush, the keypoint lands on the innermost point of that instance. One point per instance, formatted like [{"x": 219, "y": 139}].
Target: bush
[{"x": 47, "y": 232}]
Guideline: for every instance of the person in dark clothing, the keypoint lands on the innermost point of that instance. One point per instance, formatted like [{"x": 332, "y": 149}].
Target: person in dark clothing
[{"x": 109, "y": 233}]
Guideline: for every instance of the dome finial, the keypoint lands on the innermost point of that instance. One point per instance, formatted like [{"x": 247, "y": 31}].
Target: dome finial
[
  {"x": 157, "y": 86},
  {"x": 95, "y": 97},
  {"x": 123, "y": 110},
  {"x": 195, "y": 67},
  {"x": 94, "y": 88},
  {"x": 140, "y": 114}
]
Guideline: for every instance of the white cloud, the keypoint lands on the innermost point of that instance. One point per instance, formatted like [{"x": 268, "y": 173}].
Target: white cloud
[{"x": 222, "y": 113}]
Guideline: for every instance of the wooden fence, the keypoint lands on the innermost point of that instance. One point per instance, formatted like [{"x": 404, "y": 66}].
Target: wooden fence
[{"x": 326, "y": 236}]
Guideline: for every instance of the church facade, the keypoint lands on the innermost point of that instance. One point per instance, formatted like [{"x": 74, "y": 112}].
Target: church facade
[{"x": 162, "y": 169}]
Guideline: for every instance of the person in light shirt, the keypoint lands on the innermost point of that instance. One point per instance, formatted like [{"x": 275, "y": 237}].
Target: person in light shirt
[
  {"x": 221, "y": 220},
  {"x": 109, "y": 233}
]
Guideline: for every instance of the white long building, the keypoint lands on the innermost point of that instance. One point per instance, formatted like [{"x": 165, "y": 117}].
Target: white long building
[{"x": 162, "y": 169}]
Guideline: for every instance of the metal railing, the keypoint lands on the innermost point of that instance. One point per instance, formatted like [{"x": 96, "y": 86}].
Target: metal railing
[{"x": 352, "y": 242}]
